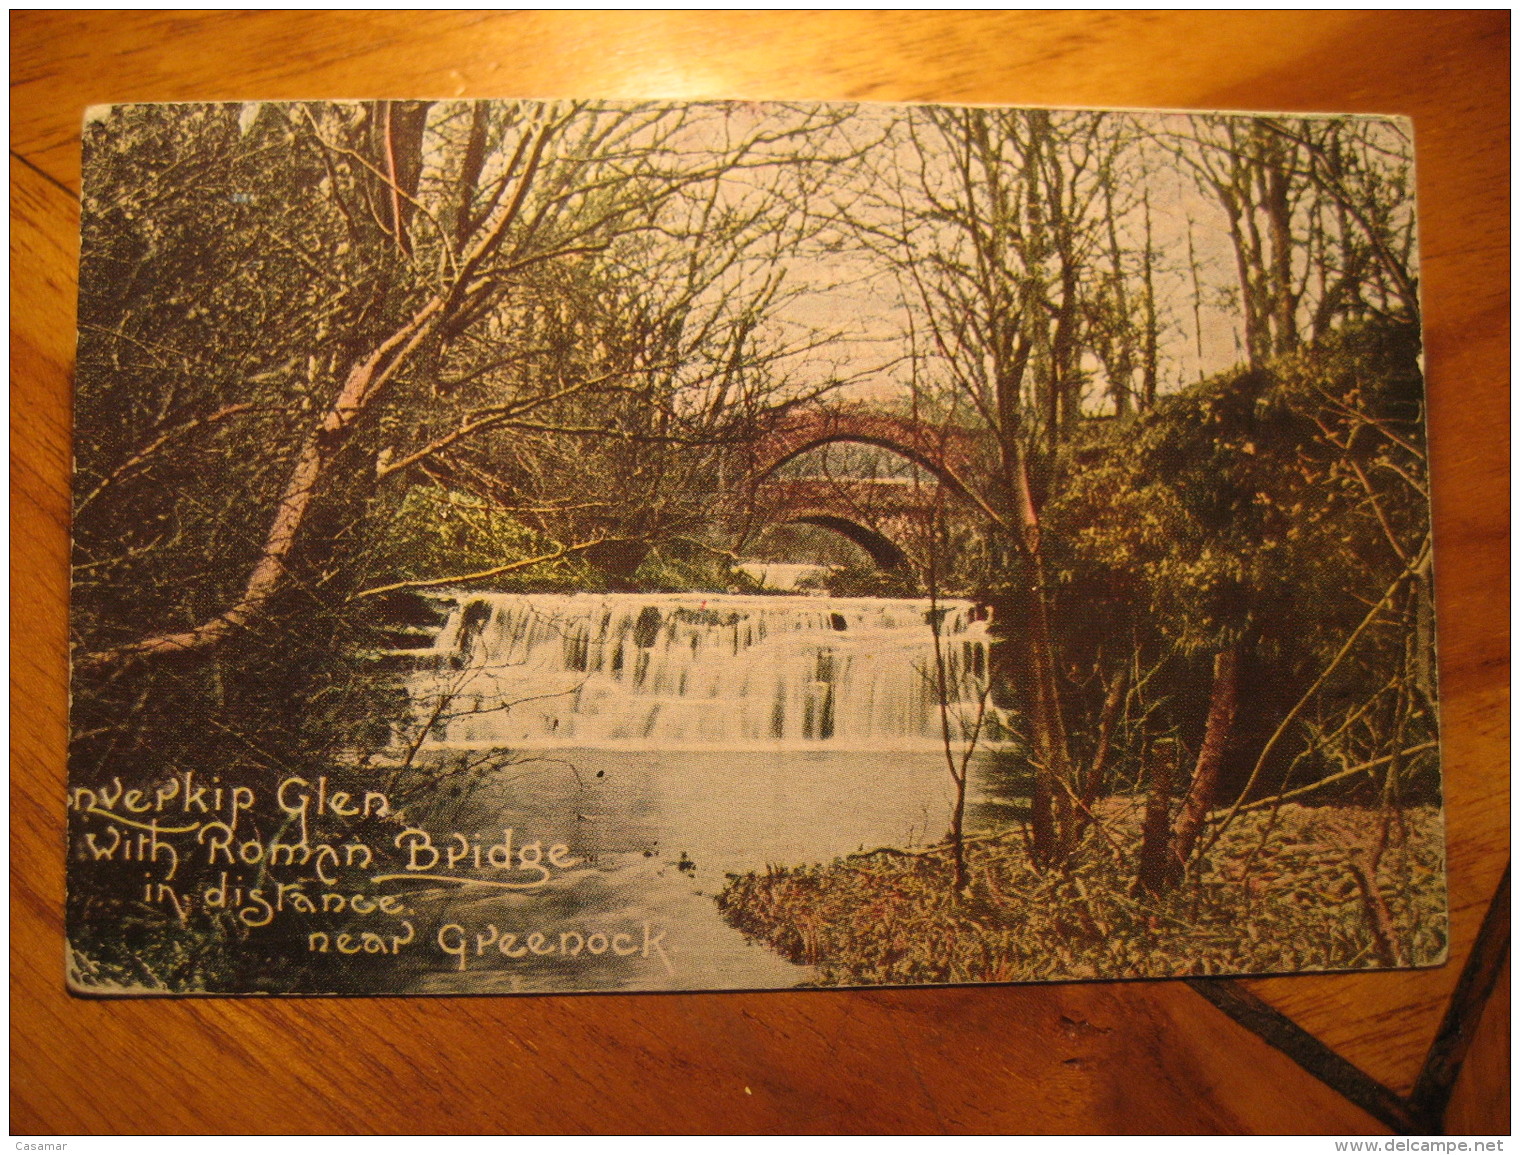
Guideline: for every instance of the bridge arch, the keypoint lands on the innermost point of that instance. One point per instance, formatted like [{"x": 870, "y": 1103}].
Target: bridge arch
[
  {"x": 948, "y": 453},
  {"x": 885, "y": 554},
  {"x": 907, "y": 452},
  {"x": 874, "y": 514}
]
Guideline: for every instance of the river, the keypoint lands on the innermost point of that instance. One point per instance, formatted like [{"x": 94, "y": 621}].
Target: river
[{"x": 667, "y": 740}]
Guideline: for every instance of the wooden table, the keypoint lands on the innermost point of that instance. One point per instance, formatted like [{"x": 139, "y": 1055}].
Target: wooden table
[{"x": 1130, "y": 1057}]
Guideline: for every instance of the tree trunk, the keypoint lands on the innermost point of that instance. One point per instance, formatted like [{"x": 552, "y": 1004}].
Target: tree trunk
[
  {"x": 1064, "y": 387},
  {"x": 1120, "y": 365},
  {"x": 1279, "y": 230},
  {"x": 1155, "y": 842},
  {"x": 469, "y": 175},
  {"x": 1223, "y": 700},
  {"x": 1092, "y": 780},
  {"x": 1152, "y": 329},
  {"x": 401, "y": 125},
  {"x": 1258, "y": 340},
  {"x": 1050, "y": 804},
  {"x": 1091, "y": 784}
]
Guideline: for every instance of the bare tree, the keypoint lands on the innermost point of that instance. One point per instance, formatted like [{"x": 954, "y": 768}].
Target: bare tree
[
  {"x": 1319, "y": 218},
  {"x": 994, "y": 220}
]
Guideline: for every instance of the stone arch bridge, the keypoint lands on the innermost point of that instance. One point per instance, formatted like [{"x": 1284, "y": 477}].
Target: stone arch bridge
[{"x": 888, "y": 517}]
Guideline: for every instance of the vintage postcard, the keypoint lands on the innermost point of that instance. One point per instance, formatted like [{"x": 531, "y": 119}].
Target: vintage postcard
[{"x": 597, "y": 546}]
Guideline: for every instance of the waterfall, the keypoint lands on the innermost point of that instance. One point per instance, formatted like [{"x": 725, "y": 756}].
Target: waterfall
[{"x": 699, "y": 671}]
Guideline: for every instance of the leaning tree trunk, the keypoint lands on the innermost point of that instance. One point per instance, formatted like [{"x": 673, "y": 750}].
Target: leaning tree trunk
[
  {"x": 301, "y": 489},
  {"x": 1223, "y": 701},
  {"x": 1090, "y": 779}
]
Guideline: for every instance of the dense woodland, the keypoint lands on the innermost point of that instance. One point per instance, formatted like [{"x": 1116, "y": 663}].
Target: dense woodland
[{"x": 333, "y": 353}]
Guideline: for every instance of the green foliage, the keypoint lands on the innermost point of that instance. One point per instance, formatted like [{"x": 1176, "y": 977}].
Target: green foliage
[
  {"x": 436, "y": 533},
  {"x": 1233, "y": 506},
  {"x": 679, "y": 568},
  {"x": 862, "y": 581},
  {"x": 1272, "y": 509}
]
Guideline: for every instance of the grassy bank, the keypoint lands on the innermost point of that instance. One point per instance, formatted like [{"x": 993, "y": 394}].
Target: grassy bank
[{"x": 1271, "y": 896}]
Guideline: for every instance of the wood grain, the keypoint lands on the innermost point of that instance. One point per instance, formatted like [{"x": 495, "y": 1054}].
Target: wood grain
[
  {"x": 1480, "y": 1104},
  {"x": 1130, "y": 1057}
]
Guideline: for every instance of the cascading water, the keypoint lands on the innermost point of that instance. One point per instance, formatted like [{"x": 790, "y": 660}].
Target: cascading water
[
  {"x": 700, "y": 672},
  {"x": 671, "y": 740}
]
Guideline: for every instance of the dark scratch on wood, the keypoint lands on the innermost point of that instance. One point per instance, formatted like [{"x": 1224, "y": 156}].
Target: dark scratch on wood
[
  {"x": 1438, "y": 1077},
  {"x": 1271, "y": 1025},
  {"x": 47, "y": 176}
]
